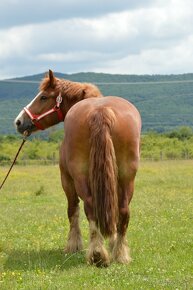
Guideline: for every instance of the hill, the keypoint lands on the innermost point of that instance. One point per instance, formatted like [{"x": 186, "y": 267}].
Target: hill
[{"x": 164, "y": 101}]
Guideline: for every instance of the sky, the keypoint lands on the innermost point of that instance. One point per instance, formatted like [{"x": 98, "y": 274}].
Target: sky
[{"x": 109, "y": 36}]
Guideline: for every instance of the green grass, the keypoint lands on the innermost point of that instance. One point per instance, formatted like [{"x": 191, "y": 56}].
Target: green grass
[{"x": 34, "y": 226}]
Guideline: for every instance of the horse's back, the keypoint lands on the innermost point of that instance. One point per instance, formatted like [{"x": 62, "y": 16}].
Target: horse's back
[{"x": 125, "y": 133}]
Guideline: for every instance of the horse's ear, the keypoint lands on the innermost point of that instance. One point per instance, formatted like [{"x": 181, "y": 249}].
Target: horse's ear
[{"x": 52, "y": 78}]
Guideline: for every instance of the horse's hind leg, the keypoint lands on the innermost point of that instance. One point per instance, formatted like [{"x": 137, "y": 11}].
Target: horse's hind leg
[
  {"x": 74, "y": 242},
  {"x": 97, "y": 254},
  {"x": 120, "y": 252}
]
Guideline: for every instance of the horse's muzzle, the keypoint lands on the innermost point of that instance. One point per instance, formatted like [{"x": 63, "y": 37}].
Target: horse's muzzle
[{"x": 24, "y": 125}]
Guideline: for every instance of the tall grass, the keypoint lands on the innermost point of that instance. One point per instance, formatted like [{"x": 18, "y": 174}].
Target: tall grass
[{"x": 34, "y": 226}]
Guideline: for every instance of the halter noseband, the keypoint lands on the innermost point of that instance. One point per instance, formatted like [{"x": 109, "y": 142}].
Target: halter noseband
[{"x": 36, "y": 118}]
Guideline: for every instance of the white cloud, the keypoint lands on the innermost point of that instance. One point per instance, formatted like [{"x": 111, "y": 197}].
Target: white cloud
[
  {"x": 21, "y": 12},
  {"x": 145, "y": 39},
  {"x": 176, "y": 60},
  {"x": 14, "y": 42}
]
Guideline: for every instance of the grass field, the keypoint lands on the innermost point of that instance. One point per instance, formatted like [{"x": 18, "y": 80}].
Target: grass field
[{"x": 34, "y": 226}]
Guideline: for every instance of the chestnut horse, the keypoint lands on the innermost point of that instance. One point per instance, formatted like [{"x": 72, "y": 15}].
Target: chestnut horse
[{"x": 99, "y": 159}]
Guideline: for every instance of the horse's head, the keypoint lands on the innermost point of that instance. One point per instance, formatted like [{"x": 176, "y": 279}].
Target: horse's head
[
  {"x": 50, "y": 106},
  {"x": 44, "y": 110}
]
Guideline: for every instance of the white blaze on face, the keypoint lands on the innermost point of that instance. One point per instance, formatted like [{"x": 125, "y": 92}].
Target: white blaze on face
[
  {"x": 20, "y": 117},
  {"x": 30, "y": 104}
]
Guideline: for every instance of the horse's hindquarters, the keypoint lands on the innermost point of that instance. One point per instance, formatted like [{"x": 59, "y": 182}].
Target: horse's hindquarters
[{"x": 100, "y": 155}]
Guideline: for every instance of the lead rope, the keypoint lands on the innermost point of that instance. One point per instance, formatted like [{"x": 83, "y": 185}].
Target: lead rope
[{"x": 13, "y": 162}]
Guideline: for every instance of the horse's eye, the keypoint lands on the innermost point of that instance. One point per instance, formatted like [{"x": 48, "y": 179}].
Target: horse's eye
[{"x": 43, "y": 98}]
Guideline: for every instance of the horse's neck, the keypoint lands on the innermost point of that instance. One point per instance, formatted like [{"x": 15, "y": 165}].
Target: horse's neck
[{"x": 74, "y": 92}]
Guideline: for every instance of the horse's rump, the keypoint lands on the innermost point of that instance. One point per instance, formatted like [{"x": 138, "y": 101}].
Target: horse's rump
[{"x": 103, "y": 170}]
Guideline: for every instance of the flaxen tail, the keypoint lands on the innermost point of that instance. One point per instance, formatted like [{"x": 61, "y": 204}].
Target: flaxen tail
[{"x": 103, "y": 170}]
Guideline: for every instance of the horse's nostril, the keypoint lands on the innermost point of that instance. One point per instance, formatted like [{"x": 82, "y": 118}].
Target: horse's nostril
[{"x": 18, "y": 122}]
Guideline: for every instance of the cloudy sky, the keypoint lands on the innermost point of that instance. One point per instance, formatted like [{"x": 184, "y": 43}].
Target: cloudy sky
[{"x": 113, "y": 36}]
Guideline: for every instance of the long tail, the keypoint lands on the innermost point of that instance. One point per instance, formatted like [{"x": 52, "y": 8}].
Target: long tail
[{"x": 103, "y": 171}]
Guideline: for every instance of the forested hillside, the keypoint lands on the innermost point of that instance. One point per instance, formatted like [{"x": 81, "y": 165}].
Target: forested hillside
[{"x": 164, "y": 101}]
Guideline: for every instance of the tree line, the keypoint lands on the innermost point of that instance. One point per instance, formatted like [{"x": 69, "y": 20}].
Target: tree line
[{"x": 176, "y": 144}]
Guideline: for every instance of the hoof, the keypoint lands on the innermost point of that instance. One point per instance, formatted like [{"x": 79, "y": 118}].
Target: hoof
[
  {"x": 121, "y": 253},
  {"x": 123, "y": 260},
  {"x": 98, "y": 258}
]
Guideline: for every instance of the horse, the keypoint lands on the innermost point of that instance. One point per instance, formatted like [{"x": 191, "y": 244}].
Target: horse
[{"x": 99, "y": 158}]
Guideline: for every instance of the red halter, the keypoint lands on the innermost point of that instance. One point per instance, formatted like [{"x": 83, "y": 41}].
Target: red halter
[{"x": 36, "y": 118}]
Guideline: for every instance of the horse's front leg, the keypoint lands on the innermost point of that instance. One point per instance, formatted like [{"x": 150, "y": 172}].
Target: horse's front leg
[{"x": 74, "y": 242}]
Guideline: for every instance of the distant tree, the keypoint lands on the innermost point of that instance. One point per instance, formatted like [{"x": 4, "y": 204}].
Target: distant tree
[
  {"x": 11, "y": 138},
  {"x": 4, "y": 157},
  {"x": 182, "y": 133},
  {"x": 185, "y": 133},
  {"x": 1, "y": 139},
  {"x": 56, "y": 136}
]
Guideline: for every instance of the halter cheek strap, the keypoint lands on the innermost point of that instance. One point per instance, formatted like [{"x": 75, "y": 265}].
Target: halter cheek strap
[{"x": 36, "y": 118}]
